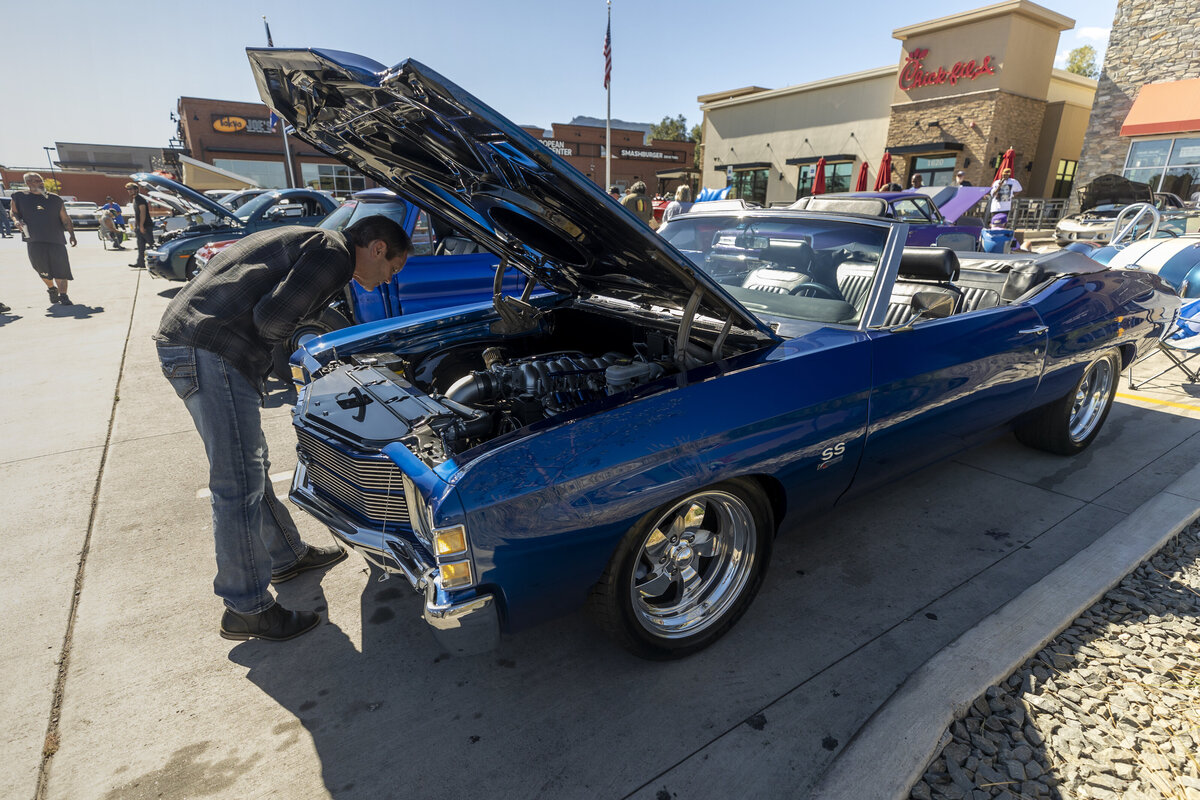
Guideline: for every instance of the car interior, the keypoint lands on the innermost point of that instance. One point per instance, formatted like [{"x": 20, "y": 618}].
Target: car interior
[{"x": 786, "y": 285}]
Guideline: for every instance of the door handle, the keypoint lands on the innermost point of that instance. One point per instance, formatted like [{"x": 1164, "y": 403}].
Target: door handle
[{"x": 1035, "y": 331}]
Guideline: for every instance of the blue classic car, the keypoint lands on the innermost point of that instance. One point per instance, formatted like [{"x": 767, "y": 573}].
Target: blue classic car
[
  {"x": 173, "y": 258},
  {"x": 633, "y": 435},
  {"x": 444, "y": 269}
]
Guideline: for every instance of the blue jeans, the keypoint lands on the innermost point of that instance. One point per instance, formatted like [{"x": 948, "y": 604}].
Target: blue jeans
[
  {"x": 254, "y": 532},
  {"x": 5, "y": 225}
]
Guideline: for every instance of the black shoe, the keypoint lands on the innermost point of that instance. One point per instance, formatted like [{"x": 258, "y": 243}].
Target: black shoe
[
  {"x": 315, "y": 558},
  {"x": 276, "y": 624},
  {"x": 64, "y": 300},
  {"x": 3, "y": 308},
  {"x": 137, "y": 266},
  {"x": 53, "y": 292}
]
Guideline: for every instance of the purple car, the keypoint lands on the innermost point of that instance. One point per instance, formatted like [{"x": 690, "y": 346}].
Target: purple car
[{"x": 931, "y": 213}]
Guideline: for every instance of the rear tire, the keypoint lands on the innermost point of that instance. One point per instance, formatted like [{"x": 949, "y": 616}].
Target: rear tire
[
  {"x": 328, "y": 320},
  {"x": 1068, "y": 425},
  {"x": 686, "y": 572}
]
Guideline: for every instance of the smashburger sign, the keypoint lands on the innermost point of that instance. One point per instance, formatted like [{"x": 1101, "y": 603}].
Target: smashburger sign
[{"x": 914, "y": 75}]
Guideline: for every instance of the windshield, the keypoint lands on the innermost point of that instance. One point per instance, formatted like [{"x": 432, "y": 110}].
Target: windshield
[
  {"x": 813, "y": 269},
  {"x": 262, "y": 201},
  {"x": 354, "y": 210}
]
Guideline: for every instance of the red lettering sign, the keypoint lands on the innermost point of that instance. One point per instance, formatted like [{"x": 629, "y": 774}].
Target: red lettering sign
[{"x": 914, "y": 76}]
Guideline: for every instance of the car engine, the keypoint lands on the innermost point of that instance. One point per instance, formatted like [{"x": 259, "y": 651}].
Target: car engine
[{"x": 512, "y": 393}]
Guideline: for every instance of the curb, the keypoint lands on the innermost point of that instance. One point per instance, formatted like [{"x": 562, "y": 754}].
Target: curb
[{"x": 891, "y": 750}]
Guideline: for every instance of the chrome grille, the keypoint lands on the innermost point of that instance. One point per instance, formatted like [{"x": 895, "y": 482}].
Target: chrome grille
[{"x": 359, "y": 482}]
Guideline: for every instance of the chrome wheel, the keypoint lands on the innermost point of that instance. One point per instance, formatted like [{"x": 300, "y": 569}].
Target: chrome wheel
[
  {"x": 694, "y": 564},
  {"x": 1091, "y": 399}
]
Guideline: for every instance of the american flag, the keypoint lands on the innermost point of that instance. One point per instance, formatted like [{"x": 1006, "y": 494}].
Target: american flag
[{"x": 607, "y": 54}]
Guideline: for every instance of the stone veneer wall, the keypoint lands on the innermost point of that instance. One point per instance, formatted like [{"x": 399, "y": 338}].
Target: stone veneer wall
[
  {"x": 1152, "y": 41},
  {"x": 1002, "y": 120}
]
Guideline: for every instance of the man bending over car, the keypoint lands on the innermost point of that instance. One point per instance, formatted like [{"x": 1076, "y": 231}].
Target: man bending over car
[{"x": 215, "y": 345}]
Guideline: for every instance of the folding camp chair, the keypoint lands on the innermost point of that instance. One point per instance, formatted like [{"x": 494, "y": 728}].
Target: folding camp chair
[{"x": 1180, "y": 346}]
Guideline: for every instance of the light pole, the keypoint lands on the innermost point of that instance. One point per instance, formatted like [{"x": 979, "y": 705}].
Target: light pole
[{"x": 53, "y": 174}]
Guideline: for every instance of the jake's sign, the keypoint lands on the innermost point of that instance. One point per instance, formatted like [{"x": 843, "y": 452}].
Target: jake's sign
[
  {"x": 913, "y": 74},
  {"x": 228, "y": 124}
]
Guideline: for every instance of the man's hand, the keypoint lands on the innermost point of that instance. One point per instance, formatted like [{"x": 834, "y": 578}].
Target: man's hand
[{"x": 72, "y": 237}]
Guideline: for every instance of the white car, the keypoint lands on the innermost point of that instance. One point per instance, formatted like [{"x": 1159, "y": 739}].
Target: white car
[{"x": 82, "y": 213}]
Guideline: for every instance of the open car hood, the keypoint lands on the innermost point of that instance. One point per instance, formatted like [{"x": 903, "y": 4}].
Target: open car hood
[
  {"x": 1115, "y": 190},
  {"x": 954, "y": 201},
  {"x": 431, "y": 141},
  {"x": 187, "y": 194}
]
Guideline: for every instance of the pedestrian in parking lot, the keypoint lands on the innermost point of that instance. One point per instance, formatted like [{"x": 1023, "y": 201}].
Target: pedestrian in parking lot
[
  {"x": 615, "y": 192},
  {"x": 142, "y": 226},
  {"x": 681, "y": 204},
  {"x": 44, "y": 220},
  {"x": 5, "y": 222},
  {"x": 108, "y": 227},
  {"x": 960, "y": 179},
  {"x": 637, "y": 202},
  {"x": 112, "y": 206},
  {"x": 215, "y": 344},
  {"x": 1001, "y": 196},
  {"x": 917, "y": 181}
]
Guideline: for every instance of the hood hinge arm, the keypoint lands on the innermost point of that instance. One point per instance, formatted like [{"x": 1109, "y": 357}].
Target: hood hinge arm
[
  {"x": 516, "y": 314},
  {"x": 685, "y": 327}
]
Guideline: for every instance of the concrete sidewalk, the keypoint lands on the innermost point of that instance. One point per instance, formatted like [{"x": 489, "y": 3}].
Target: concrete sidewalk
[{"x": 155, "y": 704}]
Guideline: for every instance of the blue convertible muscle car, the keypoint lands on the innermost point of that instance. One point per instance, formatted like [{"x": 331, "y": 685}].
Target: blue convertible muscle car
[{"x": 632, "y": 434}]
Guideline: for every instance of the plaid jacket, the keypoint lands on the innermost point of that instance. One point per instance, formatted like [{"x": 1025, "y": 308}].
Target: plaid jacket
[{"x": 253, "y": 294}]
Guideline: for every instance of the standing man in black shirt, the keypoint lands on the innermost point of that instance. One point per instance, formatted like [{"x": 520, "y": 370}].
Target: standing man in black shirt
[
  {"x": 142, "y": 225},
  {"x": 44, "y": 220},
  {"x": 215, "y": 344}
]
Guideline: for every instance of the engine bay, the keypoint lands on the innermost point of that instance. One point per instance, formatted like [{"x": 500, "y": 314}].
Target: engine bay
[{"x": 442, "y": 401}]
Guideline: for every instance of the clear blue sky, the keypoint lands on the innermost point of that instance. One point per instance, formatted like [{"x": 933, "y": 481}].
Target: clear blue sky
[{"x": 110, "y": 72}]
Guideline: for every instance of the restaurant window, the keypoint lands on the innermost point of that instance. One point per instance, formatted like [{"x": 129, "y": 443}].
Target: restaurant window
[
  {"x": 749, "y": 185},
  {"x": 935, "y": 170},
  {"x": 336, "y": 178},
  {"x": 837, "y": 177},
  {"x": 1064, "y": 178},
  {"x": 266, "y": 174}
]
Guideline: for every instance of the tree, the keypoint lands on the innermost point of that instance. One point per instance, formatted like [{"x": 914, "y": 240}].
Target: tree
[
  {"x": 672, "y": 130},
  {"x": 1082, "y": 61},
  {"x": 53, "y": 186}
]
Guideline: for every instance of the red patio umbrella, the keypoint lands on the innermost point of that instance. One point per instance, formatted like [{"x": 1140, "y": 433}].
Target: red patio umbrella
[
  {"x": 818, "y": 186},
  {"x": 885, "y": 172},
  {"x": 861, "y": 184},
  {"x": 1006, "y": 162}
]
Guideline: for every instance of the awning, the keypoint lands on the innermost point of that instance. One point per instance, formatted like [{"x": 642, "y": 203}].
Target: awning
[
  {"x": 201, "y": 176},
  {"x": 1164, "y": 108},
  {"x": 828, "y": 159},
  {"x": 677, "y": 174}
]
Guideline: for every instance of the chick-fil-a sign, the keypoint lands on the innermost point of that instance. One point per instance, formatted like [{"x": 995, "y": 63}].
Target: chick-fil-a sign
[{"x": 914, "y": 76}]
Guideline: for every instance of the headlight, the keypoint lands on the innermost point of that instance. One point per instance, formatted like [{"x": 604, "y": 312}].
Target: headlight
[
  {"x": 455, "y": 574},
  {"x": 450, "y": 541}
]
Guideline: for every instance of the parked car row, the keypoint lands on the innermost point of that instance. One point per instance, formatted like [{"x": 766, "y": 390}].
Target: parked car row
[{"x": 624, "y": 419}]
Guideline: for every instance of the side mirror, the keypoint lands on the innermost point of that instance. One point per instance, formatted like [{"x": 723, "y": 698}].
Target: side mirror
[
  {"x": 932, "y": 305},
  {"x": 928, "y": 305}
]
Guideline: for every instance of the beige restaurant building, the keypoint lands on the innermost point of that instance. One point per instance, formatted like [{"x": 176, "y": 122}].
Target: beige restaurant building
[{"x": 963, "y": 90}]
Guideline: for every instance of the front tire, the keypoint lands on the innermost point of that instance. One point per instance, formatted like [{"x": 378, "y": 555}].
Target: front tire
[
  {"x": 1067, "y": 426},
  {"x": 686, "y": 572},
  {"x": 328, "y": 320}
]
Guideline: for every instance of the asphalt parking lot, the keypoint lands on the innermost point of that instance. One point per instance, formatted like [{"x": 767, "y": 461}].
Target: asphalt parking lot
[{"x": 116, "y": 673}]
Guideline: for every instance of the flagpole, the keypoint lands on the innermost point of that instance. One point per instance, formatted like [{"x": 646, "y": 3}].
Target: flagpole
[
  {"x": 287, "y": 150},
  {"x": 608, "y": 114}
]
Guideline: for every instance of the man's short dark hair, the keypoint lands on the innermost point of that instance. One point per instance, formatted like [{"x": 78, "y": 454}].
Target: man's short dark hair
[{"x": 377, "y": 227}]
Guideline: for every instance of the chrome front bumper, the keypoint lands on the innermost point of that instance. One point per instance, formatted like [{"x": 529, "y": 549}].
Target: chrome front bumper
[{"x": 462, "y": 628}]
